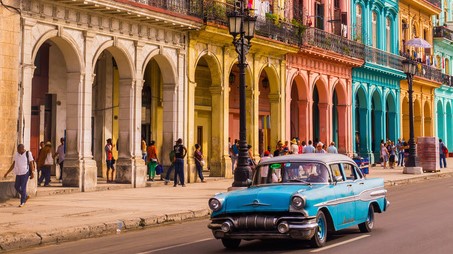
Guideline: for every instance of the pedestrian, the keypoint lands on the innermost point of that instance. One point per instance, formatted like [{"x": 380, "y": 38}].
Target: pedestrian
[
  {"x": 61, "y": 155},
  {"x": 304, "y": 144},
  {"x": 332, "y": 148},
  {"x": 400, "y": 150},
  {"x": 309, "y": 148},
  {"x": 45, "y": 163},
  {"x": 180, "y": 153},
  {"x": 41, "y": 146},
  {"x": 199, "y": 162},
  {"x": 152, "y": 160},
  {"x": 23, "y": 167},
  {"x": 234, "y": 153},
  {"x": 171, "y": 156},
  {"x": 110, "y": 161},
  {"x": 384, "y": 154},
  {"x": 443, "y": 151},
  {"x": 143, "y": 148},
  {"x": 294, "y": 147},
  {"x": 279, "y": 149},
  {"x": 357, "y": 142},
  {"x": 299, "y": 143},
  {"x": 392, "y": 154},
  {"x": 319, "y": 148}
]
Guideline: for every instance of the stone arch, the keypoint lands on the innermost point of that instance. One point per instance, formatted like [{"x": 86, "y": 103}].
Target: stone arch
[
  {"x": 339, "y": 117},
  {"x": 377, "y": 121},
  {"x": 391, "y": 116},
  {"x": 320, "y": 109},
  {"x": 427, "y": 116},
  {"x": 273, "y": 77},
  {"x": 165, "y": 63},
  {"x": 122, "y": 58},
  {"x": 361, "y": 121},
  {"x": 449, "y": 122},
  {"x": 67, "y": 45},
  {"x": 440, "y": 120},
  {"x": 298, "y": 107}
]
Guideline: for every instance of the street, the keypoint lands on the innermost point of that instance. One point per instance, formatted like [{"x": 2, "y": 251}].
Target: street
[{"x": 418, "y": 221}]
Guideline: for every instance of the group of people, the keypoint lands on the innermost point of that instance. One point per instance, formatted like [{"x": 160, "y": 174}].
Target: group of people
[
  {"x": 296, "y": 147},
  {"x": 176, "y": 157},
  {"x": 391, "y": 153}
]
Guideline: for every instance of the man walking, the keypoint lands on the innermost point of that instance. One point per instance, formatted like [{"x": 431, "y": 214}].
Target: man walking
[
  {"x": 442, "y": 153},
  {"x": 23, "y": 169},
  {"x": 310, "y": 148},
  {"x": 332, "y": 148},
  {"x": 400, "y": 149},
  {"x": 180, "y": 153}
]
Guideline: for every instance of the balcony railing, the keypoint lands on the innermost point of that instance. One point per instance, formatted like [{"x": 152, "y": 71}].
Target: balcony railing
[
  {"x": 435, "y": 3},
  {"x": 332, "y": 42},
  {"x": 284, "y": 32},
  {"x": 443, "y": 32},
  {"x": 185, "y": 7},
  {"x": 447, "y": 80},
  {"x": 428, "y": 72},
  {"x": 383, "y": 58}
]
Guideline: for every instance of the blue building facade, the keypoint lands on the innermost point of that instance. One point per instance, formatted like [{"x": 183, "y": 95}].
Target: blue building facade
[{"x": 376, "y": 85}]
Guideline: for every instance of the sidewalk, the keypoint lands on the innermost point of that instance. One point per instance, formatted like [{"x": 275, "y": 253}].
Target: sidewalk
[{"x": 51, "y": 218}]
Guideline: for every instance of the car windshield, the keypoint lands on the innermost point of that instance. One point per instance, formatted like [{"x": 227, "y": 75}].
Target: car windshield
[{"x": 291, "y": 172}]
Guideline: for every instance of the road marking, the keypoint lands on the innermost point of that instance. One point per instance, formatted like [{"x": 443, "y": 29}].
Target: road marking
[
  {"x": 176, "y": 246},
  {"x": 340, "y": 243}
]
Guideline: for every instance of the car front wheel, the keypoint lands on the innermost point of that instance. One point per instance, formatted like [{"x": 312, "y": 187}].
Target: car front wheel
[
  {"x": 320, "y": 237},
  {"x": 367, "y": 226},
  {"x": 231, "y": 243}
]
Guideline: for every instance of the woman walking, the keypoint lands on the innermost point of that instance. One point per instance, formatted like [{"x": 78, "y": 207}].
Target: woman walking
[{"x": 199, "y": 162}]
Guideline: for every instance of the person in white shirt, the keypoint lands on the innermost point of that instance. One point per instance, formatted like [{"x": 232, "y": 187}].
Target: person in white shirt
[
  {"x": 61, "y": 153},
  {"x": 294, "y": 147},
  {"x": 332, "y": 148},
  {"x": 309, "y": 148},
  {"x": 23, "y": 167},
  {"x": 319, "y": 148}
]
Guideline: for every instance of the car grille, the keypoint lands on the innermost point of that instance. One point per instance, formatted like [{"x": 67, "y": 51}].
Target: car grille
[{"x": 256, "y": 222}]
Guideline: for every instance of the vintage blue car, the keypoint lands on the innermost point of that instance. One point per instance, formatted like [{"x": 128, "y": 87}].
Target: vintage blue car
[{"x": 304, "y": 197}]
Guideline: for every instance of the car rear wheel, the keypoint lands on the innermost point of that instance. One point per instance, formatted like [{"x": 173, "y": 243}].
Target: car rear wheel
[
  {"x": 367, "y": 226},
  {"x": 320, "y": 237},
  {"x": 231, "y": 243}
]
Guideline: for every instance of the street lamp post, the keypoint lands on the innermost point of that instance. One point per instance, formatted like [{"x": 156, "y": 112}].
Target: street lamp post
[
  {"x": 242, "y": 27},
  {"x": 409, "y": 68}
]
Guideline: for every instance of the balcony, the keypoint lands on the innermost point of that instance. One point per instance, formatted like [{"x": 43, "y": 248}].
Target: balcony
[
  {"x": 328, "y": 41},
  {"x": 377, "y": 56},
  {"x": 431, "y": 73},
  {"x": 443, "y": 32},
  {"x": 435, "y": 3},
  {"x": 447, "y": 80}
]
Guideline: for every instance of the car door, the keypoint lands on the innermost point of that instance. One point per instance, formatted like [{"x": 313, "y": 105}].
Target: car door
[
  {"x": 362, "y": 201},
  {"x": 344, "y": 191}
]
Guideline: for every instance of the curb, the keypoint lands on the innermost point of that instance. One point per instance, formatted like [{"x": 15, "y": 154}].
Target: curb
[
  {"x": 422, "y": 177},
  {"x": 14, "y": 241}
]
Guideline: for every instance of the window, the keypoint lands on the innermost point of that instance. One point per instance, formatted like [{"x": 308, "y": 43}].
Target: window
[
  {"x": 358, "y": 23},
  {"x": 349, "y": 172},
  {"x": 319, "y": 15},
  {"x": 374, "y": 28},
  {"x": 291, "y": 172},
  {"x": 298, "y": 9},
  {"x": 388, "y": 34},
  {"x": 336, "y": 172}
]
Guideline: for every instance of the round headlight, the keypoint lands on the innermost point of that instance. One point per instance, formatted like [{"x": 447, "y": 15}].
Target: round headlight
[
  {"x": 215, "y": 204},
  {"x": 298, "y": 202}
]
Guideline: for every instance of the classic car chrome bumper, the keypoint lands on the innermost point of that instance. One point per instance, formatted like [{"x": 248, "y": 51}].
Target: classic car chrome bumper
[{"x": 263, "y": 227}]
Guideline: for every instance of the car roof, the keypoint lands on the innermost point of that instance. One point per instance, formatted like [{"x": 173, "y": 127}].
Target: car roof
[{"x": 325, "y": 158}]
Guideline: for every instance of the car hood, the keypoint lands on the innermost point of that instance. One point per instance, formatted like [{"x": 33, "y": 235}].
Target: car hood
[{"x": 268, "y": 198}]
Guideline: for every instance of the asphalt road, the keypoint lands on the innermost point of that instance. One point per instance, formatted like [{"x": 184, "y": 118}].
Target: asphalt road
[{"x": 419, "y": 221}]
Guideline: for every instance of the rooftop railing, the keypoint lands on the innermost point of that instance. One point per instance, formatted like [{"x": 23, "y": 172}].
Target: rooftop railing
[
  {"x": 383, "y": 58},
  {"x": 428, "y": 72},
  {"x": 328, "y": 41},
  {"x": 185, "y": 7}
]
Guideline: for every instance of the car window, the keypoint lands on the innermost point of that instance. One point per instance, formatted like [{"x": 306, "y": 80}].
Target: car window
[
  {"x": 358, "y": 173},
  {"x": 349, "y": 171},
  {"x": 291, "y": 172},
  {"x": 336, "y": 172}
]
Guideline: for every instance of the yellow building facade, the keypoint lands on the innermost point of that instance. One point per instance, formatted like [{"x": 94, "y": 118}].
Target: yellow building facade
[
  {"x": 415, "y": 22},
  {"x": 213, "y": 90}
]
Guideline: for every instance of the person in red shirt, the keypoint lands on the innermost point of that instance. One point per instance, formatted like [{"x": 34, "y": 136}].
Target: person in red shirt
[
  {"x": 152, "y": 160},
  {"x": 110, "y": 161}
]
